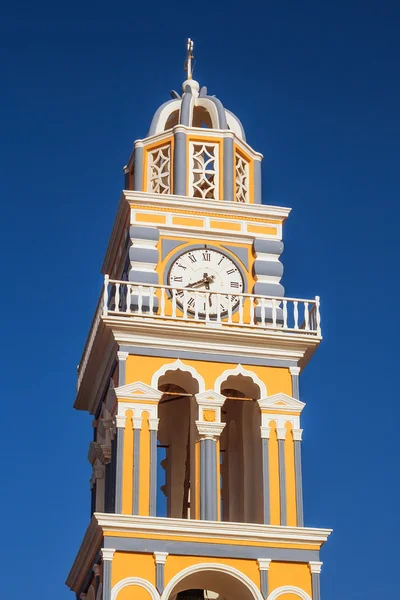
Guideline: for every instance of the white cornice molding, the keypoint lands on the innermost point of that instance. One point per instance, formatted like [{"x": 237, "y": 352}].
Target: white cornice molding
[
  {"x": 137, "y": 391},
  {"x": 315, "y": 566},
  {"x": 211, "y": 529},
  {"x": 281, "y": 403},
  {"x": 165, "y": 201}
]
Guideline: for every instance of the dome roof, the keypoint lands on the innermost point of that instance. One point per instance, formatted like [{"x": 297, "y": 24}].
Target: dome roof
[{"x": 195, "y": 108}]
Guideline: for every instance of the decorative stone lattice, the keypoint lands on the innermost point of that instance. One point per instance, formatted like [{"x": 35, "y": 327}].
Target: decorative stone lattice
[
  {"x": 160, "y": 170},
  {"x": 204, "y": 177},
  {"x": 242, "y": 179}
]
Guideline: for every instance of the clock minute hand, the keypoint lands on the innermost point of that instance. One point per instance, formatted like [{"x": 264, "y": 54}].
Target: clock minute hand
[{"x": 199, "y": 282}]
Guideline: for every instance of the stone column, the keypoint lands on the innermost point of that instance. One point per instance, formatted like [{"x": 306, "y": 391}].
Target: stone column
[
  {"x": 122, "y": 356},
  {"x": 180, "y": 162},
  {"x": 137, "y": 426},
  {"x": 257, "y": 180},
  {"x": 138, "y": 168},
  {"x": 153, "y": 426},
  {"x": 315, "y": 568},
  {"x": 265, "y": 434},
  {"x": 228, "y": 170},
  {"x": 120, "y": 422},
  {"x": 107, "y": 555},
  {"x": 263, "y": 565},
  {"x": 281, "y": 435},
  {"x": 209, "y": 490},
  {"x": 297, "y": 434},
  {"x": 295, "y": 372},
  {"x": 160, "y": 559}
]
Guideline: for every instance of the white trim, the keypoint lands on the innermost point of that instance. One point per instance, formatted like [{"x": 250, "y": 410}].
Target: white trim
[
  {"x": 137, "y": 391},
  {"x": 297, "y": 435},
  {"x": 315, "y": 566},
  {"x": 294, "y": 370},
  {"x": 120, "y": 421},
  {"x": 162, "y": 119},
  {"x": 221, "y": 568},
  {"x": 177, "y": 365},
  {"x": 239, "y": 370},
  {"x": 160, "y": 557},
  {"x": 209, "y": 430},
  {"x": 211, "y": 529},
  {"x": 122, "y": 356},
  {"x": 107, "y": 553},
  {"x": 264, "y": 564},
  {"x": 134, "y": 581},
  {"x": 288, "y": 589},
  {"x": 281, "y": 402},
  {"x": 281, "y": 433}
]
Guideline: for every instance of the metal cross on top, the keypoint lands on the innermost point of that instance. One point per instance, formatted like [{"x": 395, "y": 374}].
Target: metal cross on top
[{"x": 189, "y": 57}]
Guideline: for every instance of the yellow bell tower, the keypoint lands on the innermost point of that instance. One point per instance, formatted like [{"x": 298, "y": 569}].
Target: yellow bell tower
[{"x": 191, "y": 372}]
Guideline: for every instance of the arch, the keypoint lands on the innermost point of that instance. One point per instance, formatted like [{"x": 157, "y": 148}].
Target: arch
[
  {"x": 235, "y": 573},
  {"x": 134, "y": 581},
  {"x": 178, "y": 366},
  {"x": 288, "y": 589},
  {"x": 239, "y": 370},
  {"x": 210, "y": 107},
  {"x": 235, "y": 125},
  {"x": 161, "y": 116}
]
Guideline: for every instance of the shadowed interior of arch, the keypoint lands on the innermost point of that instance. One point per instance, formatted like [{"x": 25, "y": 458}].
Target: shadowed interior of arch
[{"x": 210, "y": 585}]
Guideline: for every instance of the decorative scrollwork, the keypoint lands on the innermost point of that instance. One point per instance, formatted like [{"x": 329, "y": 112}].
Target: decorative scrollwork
[
  {"x": 160, "y": 170},
  {"x": 204, "y": 158},
  {"x": 242, "y": 179}
]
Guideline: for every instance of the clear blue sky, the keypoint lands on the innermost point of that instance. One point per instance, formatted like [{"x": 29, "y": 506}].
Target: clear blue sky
[{"x": 316, "y": 86}]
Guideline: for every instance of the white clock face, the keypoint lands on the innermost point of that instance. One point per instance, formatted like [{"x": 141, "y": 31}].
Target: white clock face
[{"x": 205, "y": 270}]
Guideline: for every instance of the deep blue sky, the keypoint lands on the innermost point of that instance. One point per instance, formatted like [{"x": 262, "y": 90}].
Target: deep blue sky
[{"x": 316, "y": 86}]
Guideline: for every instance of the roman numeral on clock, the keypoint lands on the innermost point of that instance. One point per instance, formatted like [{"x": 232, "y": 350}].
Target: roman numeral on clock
[
  {"x": 234, "y": 284},
  {"x": 231, "y": 271},
  {"x": 178, "y": 278}
]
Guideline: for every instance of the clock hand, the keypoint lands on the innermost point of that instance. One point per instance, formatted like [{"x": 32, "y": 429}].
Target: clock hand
[{"x": 205, "y": 280}]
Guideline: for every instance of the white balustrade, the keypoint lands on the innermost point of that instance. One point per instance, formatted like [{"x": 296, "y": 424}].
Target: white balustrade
[{"x": 130, "y": 299}]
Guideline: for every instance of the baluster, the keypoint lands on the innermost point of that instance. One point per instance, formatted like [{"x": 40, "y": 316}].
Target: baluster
[
  {"x": 306, "y": 317},
  {"x": 229, "y": 308},
  {"x": 318, "y": 315},
  {"x": 296, "y": 314},
  {"x": 185, "y": 301},
  {"x": 273, "y": 312},
  {"x": 128, "y": 297},
  {"x": 285, "y": 314},
  {"x": 117, "y": 297},
  {"x": 252, "y": 320},
  {"x": 207, "y": 301},
  {"x": 140, "y": 300},
  {"x": 151, "y": 303},
  {"x": 105, "y": 296},
  {"x": 218, "y": 308},
  {"x": 196, "y": 305},
  {"x": 174, "y": 303},
  {"x": 263, "y": 312},
  {"x": 162, "y": 302},
  {"x": 241, "y": 310}
]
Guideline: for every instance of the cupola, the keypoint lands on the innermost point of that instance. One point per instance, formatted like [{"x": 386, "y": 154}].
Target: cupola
[{"x": 197, "y": 148}]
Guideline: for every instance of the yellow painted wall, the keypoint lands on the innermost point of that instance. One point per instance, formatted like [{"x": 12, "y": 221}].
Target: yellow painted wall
[
  {"x": 129, "y": 564},
  {"x": 133, "y": 592},
  {"x": 298, "y": 574},
  {"x": 175, "y": 564},
  {"x": 142, "y": 368}
]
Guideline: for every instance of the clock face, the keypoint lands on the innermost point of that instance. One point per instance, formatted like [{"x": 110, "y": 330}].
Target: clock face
[{"x": 205, "y": 270}]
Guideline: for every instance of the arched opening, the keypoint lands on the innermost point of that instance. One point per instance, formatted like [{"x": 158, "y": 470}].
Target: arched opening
[
  {"x": 172, "y": 120},
  {"x": 211, "y": 582},
  {"x": 201, "y": 117},
  {"x": 241, "y": 456},
  {"x": 176, "y": 443}
]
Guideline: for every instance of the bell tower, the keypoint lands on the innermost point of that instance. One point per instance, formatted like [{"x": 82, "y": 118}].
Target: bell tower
[{"x": 191, "y": 372}]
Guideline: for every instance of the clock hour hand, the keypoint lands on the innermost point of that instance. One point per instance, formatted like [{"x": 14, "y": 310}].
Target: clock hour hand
[{"x": 206, "y": 280}]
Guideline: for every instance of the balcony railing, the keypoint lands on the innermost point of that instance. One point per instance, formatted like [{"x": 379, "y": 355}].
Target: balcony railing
[
  {"x": 130, "y": 299},
  {"x": 125, "y": 299}
]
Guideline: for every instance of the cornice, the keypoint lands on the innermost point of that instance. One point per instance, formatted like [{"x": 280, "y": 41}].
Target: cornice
[
  {"x": 211, "y": 529},
  {"x": 86, "y": 553},
  {"x": 165, "y": 201}
]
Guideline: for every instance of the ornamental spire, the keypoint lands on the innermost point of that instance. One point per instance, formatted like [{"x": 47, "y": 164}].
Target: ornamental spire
[{"x": 189, "y": 57}]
